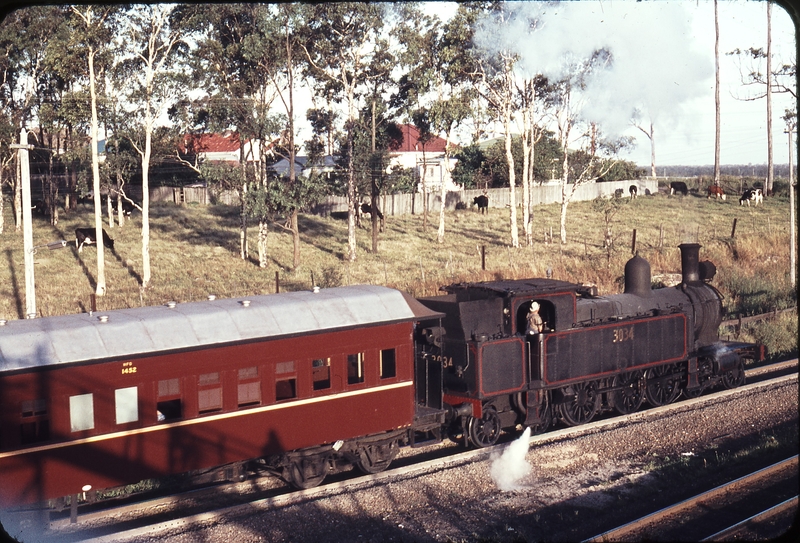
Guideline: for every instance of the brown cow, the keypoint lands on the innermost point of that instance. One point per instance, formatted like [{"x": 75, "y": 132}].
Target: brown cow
[{"x": 716, "y": 191}]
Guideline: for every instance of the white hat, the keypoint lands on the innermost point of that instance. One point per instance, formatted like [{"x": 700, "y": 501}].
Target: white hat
[{"x": 535, "y": 306}]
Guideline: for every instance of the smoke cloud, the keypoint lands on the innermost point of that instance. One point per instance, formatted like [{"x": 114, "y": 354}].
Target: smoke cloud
[
  {"x": 654, "y": 68},
  {"x": 509, "y": 467}
]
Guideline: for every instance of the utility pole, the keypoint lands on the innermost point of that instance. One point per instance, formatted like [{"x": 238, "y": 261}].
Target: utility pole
[
  {"x": 27, "y": 227},
  {"x": 792, "y": 238}
]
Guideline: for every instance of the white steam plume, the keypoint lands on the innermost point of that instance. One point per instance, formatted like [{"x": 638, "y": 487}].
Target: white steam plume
[
  {"x": 510, "y": 466},
  {"x": 655, "y": 66}
]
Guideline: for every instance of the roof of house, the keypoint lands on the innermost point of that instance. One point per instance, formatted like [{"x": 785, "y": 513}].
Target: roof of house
[
  {"x": 210, "y": 143},
  {"x": 411, "y": 143}
]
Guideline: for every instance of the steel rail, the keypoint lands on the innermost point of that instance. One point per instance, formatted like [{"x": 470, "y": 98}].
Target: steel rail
[
  {"x": 764, "y": 515},
  {"x": 616, "y": 534}
]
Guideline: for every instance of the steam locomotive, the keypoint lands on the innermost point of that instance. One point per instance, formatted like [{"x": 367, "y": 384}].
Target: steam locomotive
[{"x": 298, "y": 384}]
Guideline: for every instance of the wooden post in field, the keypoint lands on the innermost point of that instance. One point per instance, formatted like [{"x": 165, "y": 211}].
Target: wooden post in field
[
  {"x": 733, "y": 230},
  {"x": 277, "y": 282},
  {"x": 633, "y": 243},
  {"x": 483, "y": 257}
]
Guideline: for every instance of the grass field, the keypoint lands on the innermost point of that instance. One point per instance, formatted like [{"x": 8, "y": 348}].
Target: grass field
[{"x": 195, "y": 252}]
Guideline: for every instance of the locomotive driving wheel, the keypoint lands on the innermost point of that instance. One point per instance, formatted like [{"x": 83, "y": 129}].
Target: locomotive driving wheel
[
  {"x": 581, "y": 405},
  {"x": 661, "y": 388},
  {"x": 735, "y": 377},
  {"x": 485, "y": 431},
  {"x": 307, "y": 471},
  {"x": 630, "y": 395}
]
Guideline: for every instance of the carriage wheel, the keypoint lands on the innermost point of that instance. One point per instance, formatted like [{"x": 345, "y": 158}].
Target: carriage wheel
[
  {"x": 485, "y": 431},
  {"x": 735, "y": 377},
  {"x": 583, "y": 405},
  {"x": 376, "y": 457},
  {"x": 630, "y": 396},
  {"x": 307, "y": 471},
  {"x": 661, "y": 389}
]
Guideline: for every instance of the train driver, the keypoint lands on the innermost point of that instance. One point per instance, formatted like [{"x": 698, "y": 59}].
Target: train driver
[{"x": 535, "y": 323}]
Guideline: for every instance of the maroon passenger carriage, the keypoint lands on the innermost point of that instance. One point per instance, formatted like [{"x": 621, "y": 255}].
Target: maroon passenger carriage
[{"x": 300, "y": 381}]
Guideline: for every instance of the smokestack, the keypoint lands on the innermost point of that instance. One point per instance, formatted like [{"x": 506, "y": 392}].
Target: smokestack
[
  {"x": 690, "y": 262},
  {"x": 637, "y": 276}
]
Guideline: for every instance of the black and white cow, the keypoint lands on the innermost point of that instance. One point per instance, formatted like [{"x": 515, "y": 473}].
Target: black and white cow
[
  {"x": 633, "y": 190},
  {"x": 482, "y": 202},
  {"x": 752, "y": 195},
  {"x": 85, "y": 236},
  {"x": 678, "y": 186}
]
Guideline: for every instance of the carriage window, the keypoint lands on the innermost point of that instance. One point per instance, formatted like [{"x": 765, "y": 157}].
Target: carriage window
[
  {"x": 355, "y": 368},
  {"x": 249, "y": 391},
  {"x": 321, "y": 373},
  {"x": 284, "y": 367},
  {"x": 35, "y": 425},
  {"x": 126, "y": 401},
  {"x": 285, "y": 389},
  {"x": 388, "y": 365},
  {"x": 168, "y": 406},
  {"x": 209, "y": 394},
  {"x": 81, "y": 412}
]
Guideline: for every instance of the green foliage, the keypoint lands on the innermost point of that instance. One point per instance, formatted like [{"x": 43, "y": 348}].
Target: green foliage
[
  {"x": 752, "y": 294},
  {"x": 778, "y": 335}
]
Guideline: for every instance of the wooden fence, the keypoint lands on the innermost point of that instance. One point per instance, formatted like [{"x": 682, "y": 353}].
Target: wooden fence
[{"x": 404, "y": 204}]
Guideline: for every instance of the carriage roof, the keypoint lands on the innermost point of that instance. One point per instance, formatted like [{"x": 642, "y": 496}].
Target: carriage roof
[{"x": 130, "y": 332}]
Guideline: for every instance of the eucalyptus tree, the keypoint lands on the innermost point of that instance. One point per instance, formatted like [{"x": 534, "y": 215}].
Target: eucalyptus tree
[
  {"x": 24, "y": 39},
  {"x": 434, "y": 54},
  {"x": 274, "y": 50},
  {"x": 94, "y": 28},
  {"x": 230, "y": 87},
  {"x": 154, "y": 39},
  {"x": 341, "y": 41},
  {"x": 493, "y": 69},
  {"x": 567, "y": 100}
]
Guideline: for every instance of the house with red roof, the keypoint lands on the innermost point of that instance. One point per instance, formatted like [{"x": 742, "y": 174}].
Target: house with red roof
[
  {"x": 218, "y": 148},
  {"x": 430, "y": 163}
]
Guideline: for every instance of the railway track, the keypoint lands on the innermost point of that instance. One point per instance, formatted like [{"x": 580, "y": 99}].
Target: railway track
[
  {"x": 708, "y": 516},
  {"x": 206, "y": 504}
]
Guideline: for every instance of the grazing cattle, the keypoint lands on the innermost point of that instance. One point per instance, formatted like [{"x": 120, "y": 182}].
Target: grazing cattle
[
  {"x": 752, "y": 195},
  {"x": 618, "y": 193},
  {"x": 678, "y": 186},
  {"x": 633, "y": 190},
  {"x": 40, "y": 208},
  {"x": 716, "y": 191},
  {"x": 482, "y": 202},
  {"x": 127, "y": 207},
  {"x": 366, "y": 209},
  {"x": 85, "y": 236},
  {"x": 460, "y": 205}
]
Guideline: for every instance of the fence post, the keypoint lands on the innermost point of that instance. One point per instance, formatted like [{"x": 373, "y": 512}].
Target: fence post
[
  {"x": 483, "y": 257},
  {"x": 633, "y": 243},
  {"x": 733, "y": 230}
]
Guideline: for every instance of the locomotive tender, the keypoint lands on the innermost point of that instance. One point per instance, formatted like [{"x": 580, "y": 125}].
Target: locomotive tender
[{"x": 301, "y": 383}]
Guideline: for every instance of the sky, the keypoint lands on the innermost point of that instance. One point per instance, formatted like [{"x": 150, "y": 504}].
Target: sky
[{"x": 663, "y": 63}]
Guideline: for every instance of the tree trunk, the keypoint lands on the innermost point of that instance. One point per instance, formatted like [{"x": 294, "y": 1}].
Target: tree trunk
[
  {"x": 295, "y": 239},
  {"x": 716, "y": 94},
  {"x": 770, "y": 165},
  {"x": 263, "y": 231},
  {"x": 652, "y": 152},
  {"x": 511, "y": 176},
  {"x": 98, "y": 209},
  {"x": 110, "y": 208}
]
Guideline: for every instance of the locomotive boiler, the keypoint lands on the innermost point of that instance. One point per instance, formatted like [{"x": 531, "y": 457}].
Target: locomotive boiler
[{"x": 593, "y": 353}]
